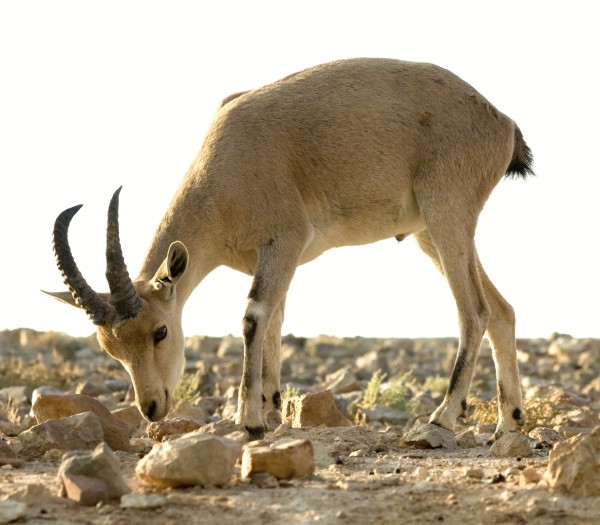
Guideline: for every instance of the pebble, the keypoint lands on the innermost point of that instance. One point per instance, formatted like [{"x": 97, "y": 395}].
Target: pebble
[
  {"x": 284, "y": 459},
  {"x": 12, "y": 511},
  {"x": 430, "y": 436},
  {"x": 142, "y": 501},
  {"x": 313, "y": 410},
  {"x": 511, "y": 445}
]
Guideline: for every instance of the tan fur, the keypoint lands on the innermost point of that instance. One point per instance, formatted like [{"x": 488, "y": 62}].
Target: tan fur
[{"x": 345, "y": 153}]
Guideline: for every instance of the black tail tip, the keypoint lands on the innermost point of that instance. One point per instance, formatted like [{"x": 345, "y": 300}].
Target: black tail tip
[{"x": 521, "y": 164}]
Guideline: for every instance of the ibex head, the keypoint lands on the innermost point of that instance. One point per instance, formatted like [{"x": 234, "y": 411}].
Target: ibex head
[{"x": 139, "y": 323}]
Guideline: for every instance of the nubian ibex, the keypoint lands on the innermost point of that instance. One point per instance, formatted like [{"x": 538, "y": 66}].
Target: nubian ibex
[{"x": 345, "y": 153}]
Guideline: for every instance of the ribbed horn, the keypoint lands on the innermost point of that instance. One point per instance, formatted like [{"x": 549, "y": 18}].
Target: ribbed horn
[
  {"x": 99, "y": 311},
  {"x": 122, "y": 292}
]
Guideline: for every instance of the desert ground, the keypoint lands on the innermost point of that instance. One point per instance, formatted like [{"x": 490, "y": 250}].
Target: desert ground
[{"x": 367, "y": 469}]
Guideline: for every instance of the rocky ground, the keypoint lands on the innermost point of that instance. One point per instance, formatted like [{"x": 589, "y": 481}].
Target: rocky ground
[{"x": 353, "y": 446}]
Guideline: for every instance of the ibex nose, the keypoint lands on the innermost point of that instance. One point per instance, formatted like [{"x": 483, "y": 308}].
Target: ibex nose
[
  {"x": 155, "y": 409},
  {"x": 151, "y": 410}
]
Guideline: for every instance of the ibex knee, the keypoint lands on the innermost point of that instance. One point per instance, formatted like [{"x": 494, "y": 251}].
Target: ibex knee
[{"x": 255, "y": 316}]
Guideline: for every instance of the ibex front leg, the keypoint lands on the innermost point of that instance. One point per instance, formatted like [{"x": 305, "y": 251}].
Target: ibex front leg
[
  {"x": 271, "y": 370},
  {"x": 276, "y": 264}
]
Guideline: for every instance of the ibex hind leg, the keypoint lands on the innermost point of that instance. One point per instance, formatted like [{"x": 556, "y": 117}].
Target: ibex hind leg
[
  {"x": 453, "y": 251},
  {"x": 501, "y": 333},
  {"x": 276, "y": 263}
]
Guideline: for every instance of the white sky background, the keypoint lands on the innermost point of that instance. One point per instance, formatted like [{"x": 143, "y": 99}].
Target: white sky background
[{"x": 98, "y": 94}]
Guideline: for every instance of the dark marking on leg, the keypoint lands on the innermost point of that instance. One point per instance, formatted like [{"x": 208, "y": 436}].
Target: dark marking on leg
[
  {"x": 457, "y": 372},
  {"x": 246, "y": 384},
  {"x": 464, "y": 406},
  {"x": 517, "y": 414},
  {"x": 264, "y": 399},
  {"x": 256, "y": 289},
  {"x": 249, "y": 329},
  {"x": 277, "y": 400},
  {"x": 501, "y": 394}
]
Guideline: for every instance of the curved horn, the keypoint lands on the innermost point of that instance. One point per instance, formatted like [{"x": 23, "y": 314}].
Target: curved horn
[
  {"x": 122, "y": 292},
  {"x": 100, "y": 312}
]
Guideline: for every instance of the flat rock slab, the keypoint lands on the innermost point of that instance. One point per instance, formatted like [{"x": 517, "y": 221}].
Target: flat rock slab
[{"x": 430, "y": 436}]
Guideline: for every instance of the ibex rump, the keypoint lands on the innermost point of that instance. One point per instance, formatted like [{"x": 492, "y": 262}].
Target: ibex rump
[{"x": 345, "y": 153}]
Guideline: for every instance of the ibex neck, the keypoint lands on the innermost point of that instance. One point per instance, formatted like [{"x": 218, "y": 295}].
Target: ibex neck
[{"x": 182, "y": 223}]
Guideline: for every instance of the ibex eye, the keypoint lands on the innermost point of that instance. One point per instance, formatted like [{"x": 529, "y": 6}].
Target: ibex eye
[{"x": 160, "y": 334}]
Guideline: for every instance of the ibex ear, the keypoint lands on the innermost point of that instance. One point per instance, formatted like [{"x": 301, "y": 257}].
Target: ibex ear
[
  {"x": 171, "y": 269},
  {"x": 67, "y": 297}
]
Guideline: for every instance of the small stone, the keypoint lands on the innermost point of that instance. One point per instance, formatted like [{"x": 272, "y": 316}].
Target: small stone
[
  {"x": 85, "y": 490},
  {"x": 13, "y": 462},
  {"x": 264, "y": 480},
  {"x": 382, "y": 414},
  {"x": 29, "y": 493},
  {"x": 12, "y": 511},
  {"x": 142, "y": 501},
  {"x": 222, "y": 427},
  {"x": 192, "y": 459},
  {"x": 511, "y": 445},
  {"x": 6, "y": 450},
  {"x": 100, "y": 464},
  {"x": 15, "y": 395},
  {"x": 130, "y": 416},
  {"x": 474, "y": 473},
  {"x": 313, "y": 410},
  {"x": 420, "y": 473},
  {"x": 161, "y": 430},
  {"x": 241, "y": 436},
  {"x": 285, "y": 459},
  {"x": 546, "y": 436},
  {"x": 342, "y": 381},
  {"x": 430, "y": 436},
  {"x": 466, "y": 439},
  {"x": 191, "y": 412},
  {"x": 528, "y": 476},
  {"x": 93, "y": 386}
]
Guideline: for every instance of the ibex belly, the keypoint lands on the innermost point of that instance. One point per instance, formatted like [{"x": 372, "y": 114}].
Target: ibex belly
[{"x": 364, "y": 224}]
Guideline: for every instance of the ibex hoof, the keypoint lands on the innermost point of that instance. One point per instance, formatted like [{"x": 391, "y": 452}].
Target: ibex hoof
[{"x": 256, "y": 432}]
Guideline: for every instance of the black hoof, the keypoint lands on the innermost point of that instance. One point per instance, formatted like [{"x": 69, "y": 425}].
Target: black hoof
[{"x": 256, "y": 432}]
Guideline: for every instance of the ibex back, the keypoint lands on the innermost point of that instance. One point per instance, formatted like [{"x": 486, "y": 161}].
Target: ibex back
[{"x": 345, "y": 153}]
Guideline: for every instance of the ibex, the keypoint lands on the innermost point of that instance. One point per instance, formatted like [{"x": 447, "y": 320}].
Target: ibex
[{"x": 345, "y": 153}]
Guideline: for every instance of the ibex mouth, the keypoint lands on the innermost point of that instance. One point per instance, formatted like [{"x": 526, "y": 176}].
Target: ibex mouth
[{"x": 156, "y": 409}]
